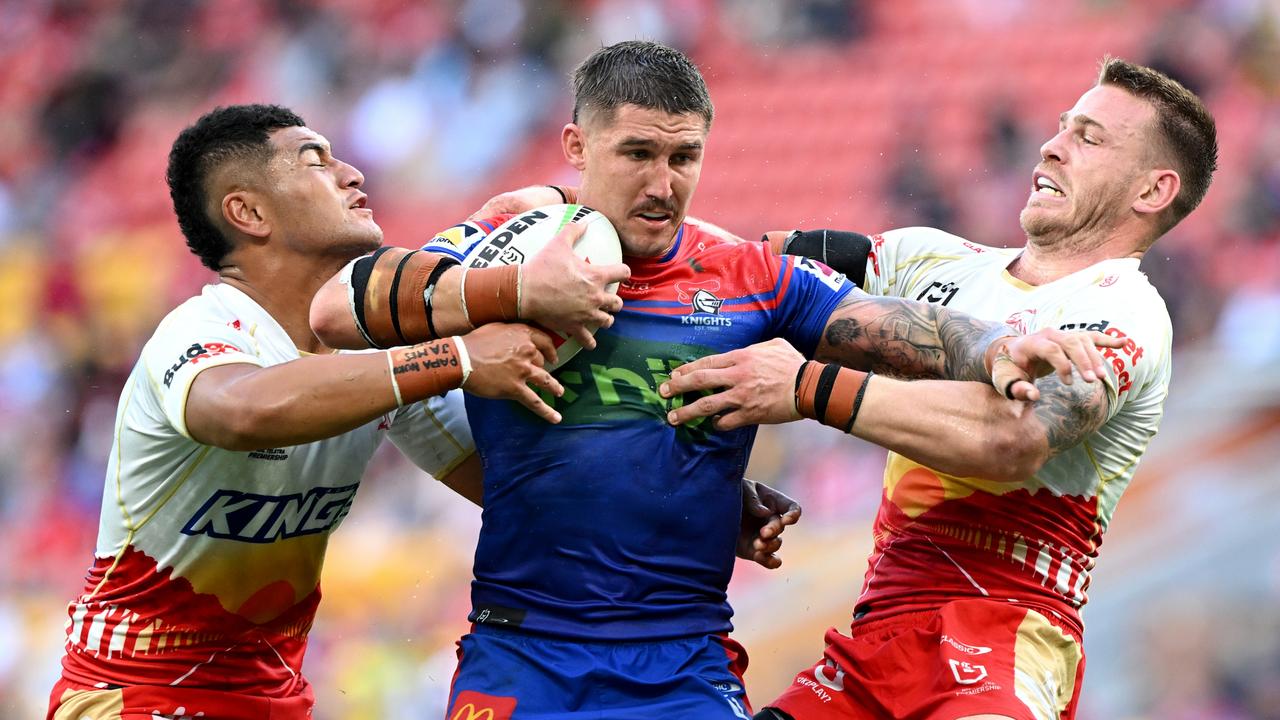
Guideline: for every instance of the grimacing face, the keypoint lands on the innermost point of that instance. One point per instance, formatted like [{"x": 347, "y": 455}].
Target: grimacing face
[
  {"x": 640, "y": 170},
  {"x": 316, "y": 203},
  {"x": 1091, "y": 171}
]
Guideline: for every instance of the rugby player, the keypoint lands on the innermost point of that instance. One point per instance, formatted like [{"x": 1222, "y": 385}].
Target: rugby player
[
  {"x": 978, "y": 574},
  {"x": 240, "y": 440},
  {"x": 607, "y": 541}
]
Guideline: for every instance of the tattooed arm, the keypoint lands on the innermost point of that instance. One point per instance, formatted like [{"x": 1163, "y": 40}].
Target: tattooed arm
[{"x": 906, "y": 339}]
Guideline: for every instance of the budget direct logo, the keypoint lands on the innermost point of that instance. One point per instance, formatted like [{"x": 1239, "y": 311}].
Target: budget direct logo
[
  {"x": 1122, "y": 359},
  {"x": 250, "y": 517},
  {"x": 196, "y": 353}
]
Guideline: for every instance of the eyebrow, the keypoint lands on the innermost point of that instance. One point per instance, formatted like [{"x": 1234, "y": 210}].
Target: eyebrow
[
  {"x": 1081, "y": 119},
  {"x": 645, "y": 142},
  {"x": 313, "y": 145}
]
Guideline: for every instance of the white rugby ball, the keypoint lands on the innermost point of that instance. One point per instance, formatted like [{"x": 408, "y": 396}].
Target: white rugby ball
[{"x": 518, "y": 239}]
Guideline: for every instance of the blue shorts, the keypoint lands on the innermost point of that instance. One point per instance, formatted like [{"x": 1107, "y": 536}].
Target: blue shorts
[{"x": 528, "y": 677}]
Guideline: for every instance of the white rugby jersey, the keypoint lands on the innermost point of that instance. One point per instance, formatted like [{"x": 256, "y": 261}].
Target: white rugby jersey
[
  {"x": 208, "y": 561},
  {"x": 1035, "y": 540}
]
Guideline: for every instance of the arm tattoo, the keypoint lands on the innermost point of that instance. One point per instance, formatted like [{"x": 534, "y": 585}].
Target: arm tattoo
[
  {"x": 908, "y": 339},
  {"x": 1069, "y": 413}
]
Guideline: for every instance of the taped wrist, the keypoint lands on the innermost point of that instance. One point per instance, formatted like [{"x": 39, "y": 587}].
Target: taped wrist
[
  {"x": 389, "y": 294},
  {"x": 842, "y": 251},
  {"x": 830, "y": 394},
  {"x": 491, "y": 294},
  {"x": 421, "y": 371}
]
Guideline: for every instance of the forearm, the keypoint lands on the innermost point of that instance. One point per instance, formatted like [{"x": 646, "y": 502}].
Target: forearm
[
  {"x": 398, "y": 297},
  {"x": 908, "y": 339},
  {"x": 239, "y": 407},
  {"x": 959, "y": 428}
]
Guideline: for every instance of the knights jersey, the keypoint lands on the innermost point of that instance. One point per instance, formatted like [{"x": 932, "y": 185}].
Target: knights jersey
[
  {"x": 612, "y": 524},
  {"x": 1035, "y": 541},
  {"x": 207, "y": 567}
]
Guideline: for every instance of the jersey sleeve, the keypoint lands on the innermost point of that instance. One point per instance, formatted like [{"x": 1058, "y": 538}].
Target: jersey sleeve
[
  {"x": 899, "y": 259},
  {"x": 458, "y": 240},
  {"x": 1140, "y": 319},
  {"x": 434, "y": 433},
  {"x": 183, "y": 348},
  {"x": 808, "y": 292}
]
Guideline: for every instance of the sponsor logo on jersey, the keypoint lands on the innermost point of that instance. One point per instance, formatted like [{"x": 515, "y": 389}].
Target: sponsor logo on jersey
[
  {"x": 877, "y": 242},
  {"x": 1109, "y": 280},
  {"x": 269, "y": 454},
  {"x": 938, "y": 292},
  {"x": 1021, "y": 320},
  {"x": 457, "y": 238},
  {"x": 250, "y": 517},
  {"x": 196, "y": 353},
  {"x": 1122, "y": 359},
  {"x": 824, "y": 274},
  {"x": 975, "y": 248},
  {"x": 967, "y": 673},
  {"x": 497, "y": 245}
]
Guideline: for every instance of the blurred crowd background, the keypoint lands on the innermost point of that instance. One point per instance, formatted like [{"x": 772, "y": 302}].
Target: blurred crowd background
[{"x": 863, "y": 115}]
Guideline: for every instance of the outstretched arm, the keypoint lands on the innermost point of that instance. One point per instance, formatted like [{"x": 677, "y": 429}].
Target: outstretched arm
[
  {"x": 399, "y": 297},
  {"x": 960, "y": 428},
  {"x": 241, "y": 406}
]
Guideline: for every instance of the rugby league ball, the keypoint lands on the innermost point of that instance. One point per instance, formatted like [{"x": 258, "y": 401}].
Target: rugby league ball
[{"x": 518, "y": 239}]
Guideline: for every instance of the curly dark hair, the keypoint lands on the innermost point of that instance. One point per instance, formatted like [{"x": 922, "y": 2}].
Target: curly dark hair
[
  {"x": 236, "y": 133},
  {"x": 638, "y": 72}
]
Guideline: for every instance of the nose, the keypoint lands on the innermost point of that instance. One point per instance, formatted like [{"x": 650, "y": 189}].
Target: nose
[
  {"x": 1052, "y": 149},
  {"x": 658, "y": 181},
  {"x": 350, "y": 176}
]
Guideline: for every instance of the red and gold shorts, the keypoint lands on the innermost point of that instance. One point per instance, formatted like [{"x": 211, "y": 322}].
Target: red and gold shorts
[
  {"x": 969, "y": 657},
  {"x": 73, "y": 701}
]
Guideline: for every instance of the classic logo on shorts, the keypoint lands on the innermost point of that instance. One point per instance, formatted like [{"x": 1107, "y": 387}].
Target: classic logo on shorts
[
  {"x": 472, "y": 705},
  {"x": 248, "y": 517}
]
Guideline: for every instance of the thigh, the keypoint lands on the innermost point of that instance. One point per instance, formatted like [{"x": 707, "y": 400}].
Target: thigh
[{"x": 70, "y": 701}]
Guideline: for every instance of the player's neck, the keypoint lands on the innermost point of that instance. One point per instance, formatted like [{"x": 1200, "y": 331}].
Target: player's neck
[
  {"x": 285, "y": 293},
  {"x": 1039, "y": 264}
]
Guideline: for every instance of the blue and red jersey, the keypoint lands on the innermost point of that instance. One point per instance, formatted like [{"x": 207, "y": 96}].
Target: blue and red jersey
[{"x": 613, "y": 524}]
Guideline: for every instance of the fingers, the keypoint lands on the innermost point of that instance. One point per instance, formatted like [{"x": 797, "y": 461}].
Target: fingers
[
  {"x": 698, "y": 379},
  {"x": 1023, "y": 390},
  {"x": 708, "y": 362},
  {"x": 584, "y": 337},
  {"x": 570, "y": 234},
  {"x": 612, "y": 304},
  {"x": 1084, "y": 357},
  {"x": 608, "y": 274},
  {"x": 546, "y": 348},
  {"x": 704, "y": 406},
  {"x": 1105, "y": 340},
  {"x": 527, "y": 397}
]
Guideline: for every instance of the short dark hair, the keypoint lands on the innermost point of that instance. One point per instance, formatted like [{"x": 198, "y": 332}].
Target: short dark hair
[
  {"x": 1188, "y": 136},
  {"x": 638, "y": 72},
  {"x": 225, "y": 134}
]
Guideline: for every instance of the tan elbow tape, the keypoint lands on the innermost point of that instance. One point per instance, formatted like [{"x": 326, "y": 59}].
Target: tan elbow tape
[
  {"x": 422, "y": 371},
  {"x": 830, "y": 394},
  {"x": 394, "y": 303},
  {"x": 491, "y": 294}
]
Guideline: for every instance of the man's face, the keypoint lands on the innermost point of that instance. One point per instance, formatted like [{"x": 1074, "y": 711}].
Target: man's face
[
  {"x": 314, "y": 198},
  {"x": 640, "y": 170},
  {"x": 1092, "y": 171}
]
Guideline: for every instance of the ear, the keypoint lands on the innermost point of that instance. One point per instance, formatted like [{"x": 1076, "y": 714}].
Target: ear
[
  {"x": 1160, "y": 189},
  {"x": 243, "y": 211},
  {"x": 574, "y": 143}
]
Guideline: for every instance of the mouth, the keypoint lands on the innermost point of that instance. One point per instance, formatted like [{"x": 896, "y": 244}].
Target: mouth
[
  {"x": 1042, "y": 184},
  {"x": 360, "y": 203},
  {"x": 653, "y": 218}
]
